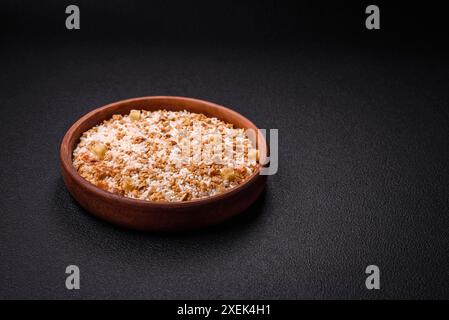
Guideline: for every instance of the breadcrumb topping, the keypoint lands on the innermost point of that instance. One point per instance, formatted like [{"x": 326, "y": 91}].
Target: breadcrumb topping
[{"x": 165, "y": 155}]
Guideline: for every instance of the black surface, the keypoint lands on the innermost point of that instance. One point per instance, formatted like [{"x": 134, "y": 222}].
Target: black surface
[{"x": 363, "y": 168}]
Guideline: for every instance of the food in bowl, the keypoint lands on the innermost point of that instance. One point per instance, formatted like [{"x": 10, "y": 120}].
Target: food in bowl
[{"x": 165, "y": 155}]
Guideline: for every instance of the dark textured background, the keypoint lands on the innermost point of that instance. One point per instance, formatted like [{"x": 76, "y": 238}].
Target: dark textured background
[{"x": 363, "y": 131}]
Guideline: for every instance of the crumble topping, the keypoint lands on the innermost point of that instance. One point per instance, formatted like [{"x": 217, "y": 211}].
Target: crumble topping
[{"x": 165, "y": 155}]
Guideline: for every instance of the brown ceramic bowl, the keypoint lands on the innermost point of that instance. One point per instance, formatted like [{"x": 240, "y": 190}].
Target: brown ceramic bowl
[{"x": 159, "y": 216}]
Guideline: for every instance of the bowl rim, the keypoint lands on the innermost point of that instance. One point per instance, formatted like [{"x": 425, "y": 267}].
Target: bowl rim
[{"x": 67, "y": 164}]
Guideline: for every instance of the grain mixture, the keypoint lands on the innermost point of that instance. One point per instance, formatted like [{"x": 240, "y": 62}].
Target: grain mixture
[{"x": 165, "y": 155}]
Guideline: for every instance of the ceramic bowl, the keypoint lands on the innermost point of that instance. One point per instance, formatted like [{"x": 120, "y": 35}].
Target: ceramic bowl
[{"x": 159, "y": 216}]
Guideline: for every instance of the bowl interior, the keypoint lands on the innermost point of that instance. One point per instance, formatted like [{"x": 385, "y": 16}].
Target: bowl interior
[{"x": 96, "y": 116}]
